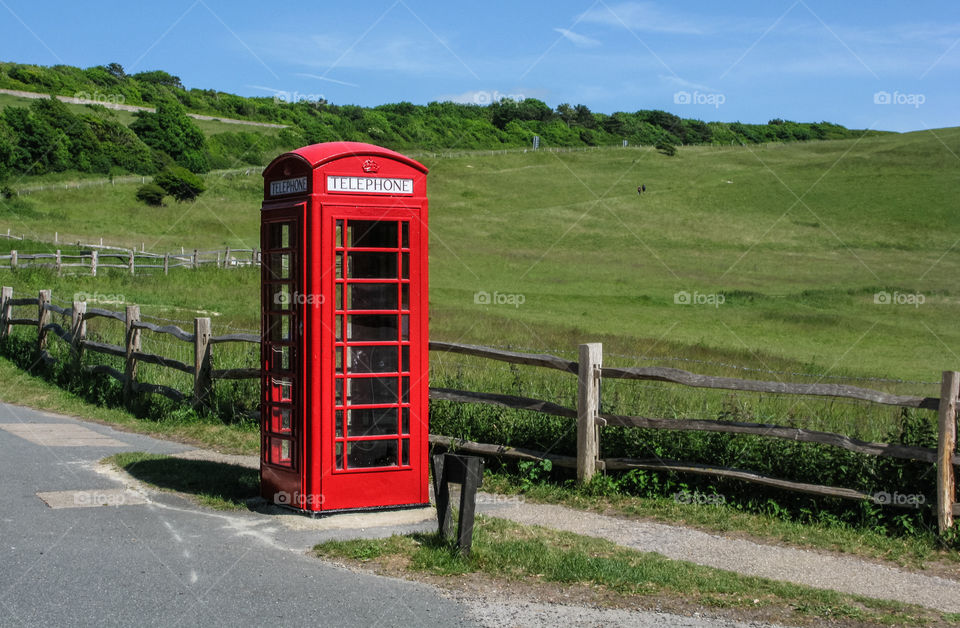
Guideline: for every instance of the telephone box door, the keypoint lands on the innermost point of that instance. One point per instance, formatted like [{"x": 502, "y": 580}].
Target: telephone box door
[
  {"x": 281, "y": 405},
  {"x": 373, "y": 427}
]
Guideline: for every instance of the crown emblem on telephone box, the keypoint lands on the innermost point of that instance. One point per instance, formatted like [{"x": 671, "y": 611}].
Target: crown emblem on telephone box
[{"x": 370, "y": 166}]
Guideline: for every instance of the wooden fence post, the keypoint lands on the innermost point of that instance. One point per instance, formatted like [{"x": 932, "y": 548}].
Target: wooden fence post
[
  {"x": 196, "y": 258},
  {"x": 13, "y": 259},
  {"x": 253, "y": 256},
  {"x": 78, "y": 327},
  {"x": 946, "y": 445},
  {"x": 166, "y": 263},
  {"x": 588, "y": 403},
  {"x": 5, "y": 295},
  {"x": 202, "y": 384},
  {"x": 43, "y": 318},
  {"x": 59, "y": 262},
  {"x": 226, "y": 258},
  {"x": 132, "y": 346},
  {"x": 133, "y": 262},
  {"x": 93, "y": 263}
]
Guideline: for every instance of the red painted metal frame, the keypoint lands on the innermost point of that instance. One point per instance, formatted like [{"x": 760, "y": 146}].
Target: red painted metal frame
[{"x": 314, "y": 483}]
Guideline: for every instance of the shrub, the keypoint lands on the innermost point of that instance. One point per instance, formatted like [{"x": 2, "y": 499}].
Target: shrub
[
  {"x": 666, "y": 148},
  {"x": 180, "y": 183},
  {"x": 151, "y": 194}
]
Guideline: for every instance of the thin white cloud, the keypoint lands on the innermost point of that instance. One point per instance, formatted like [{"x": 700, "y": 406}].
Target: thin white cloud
[
  {"x": 676, "y": 81},
  {"x": 642, "y": 16},
  {"x": 578, "y": 40},
  {"x": 324, "y": 78}
]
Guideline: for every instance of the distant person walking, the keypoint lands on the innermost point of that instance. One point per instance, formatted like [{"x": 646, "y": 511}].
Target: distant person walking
[{"x": 641, "y": 188}]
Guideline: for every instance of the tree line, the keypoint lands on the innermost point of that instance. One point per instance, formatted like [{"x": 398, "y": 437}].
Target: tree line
[{"x": 48, "y": 137}]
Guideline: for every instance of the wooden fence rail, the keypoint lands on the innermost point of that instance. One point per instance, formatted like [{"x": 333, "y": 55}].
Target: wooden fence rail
[
  {"x": 589, "y": 420},
  {"x": 130, "y": 260},
  {"x": 590, "y": 372},
  {"x": 203, "y": 373}
]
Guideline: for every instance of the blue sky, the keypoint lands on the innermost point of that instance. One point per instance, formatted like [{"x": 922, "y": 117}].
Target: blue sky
[{"x": 880, "y": 64}]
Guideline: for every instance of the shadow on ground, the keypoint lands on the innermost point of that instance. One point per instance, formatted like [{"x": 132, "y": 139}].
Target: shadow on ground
[{"x": 216, "y": 484}]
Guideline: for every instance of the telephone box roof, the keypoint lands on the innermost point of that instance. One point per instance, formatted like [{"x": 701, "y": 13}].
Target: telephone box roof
[{"x": 318, "y": 154}]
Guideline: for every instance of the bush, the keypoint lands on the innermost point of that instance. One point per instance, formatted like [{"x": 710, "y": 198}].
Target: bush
[
  {"x": 151, "y": 194},
  {"x": 180, "y": 183},
  {"x": 666, "y": 148}
]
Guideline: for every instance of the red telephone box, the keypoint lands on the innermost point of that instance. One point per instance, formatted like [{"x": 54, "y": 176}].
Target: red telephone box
[{"x": 344, "y": 328}]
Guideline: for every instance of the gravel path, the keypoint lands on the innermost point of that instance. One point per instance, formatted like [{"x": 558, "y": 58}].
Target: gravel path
[
  {"x": 519, "y": 612},
  {"x": 815, "y": 569}
]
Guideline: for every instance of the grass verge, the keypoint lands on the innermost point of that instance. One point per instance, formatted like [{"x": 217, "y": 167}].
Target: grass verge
[
  {"x": 24, "y": 389},
  {"x": 518, "y": 557},
  {"x": 212, "y": 484},
  {"x": 925, "y": 551}
]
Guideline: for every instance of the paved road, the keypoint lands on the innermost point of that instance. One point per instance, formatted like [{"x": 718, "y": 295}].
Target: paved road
[
  {"x": 149, "y": 559},
  {"x": 163, "y": 563}
]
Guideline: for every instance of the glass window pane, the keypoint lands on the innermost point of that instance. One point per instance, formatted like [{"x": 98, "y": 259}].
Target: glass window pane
[
  {"x": 372, "y": 453},
  {"x": 280, "y": 328},
  {"x": 372, "y": 233},
  {"x": 371, "y": 421},
  {"x": 405, "y": 452},
  {"x": 338, "y": 242},
  {"x": 279, "y": 234},
  {"x": 372, "y": 296},
  {"x": 339, "y": 420},
  {"x": 371, "y": 390},
  {"x": 405, "y": 358},
  {"x": 338, "y": 289},
  {"x": 339, "y": 360},
  {"x": 279, "y": 265},
  {"x": 339, "y": 328},
  {"x": 280, "y": 419},
  {"x": 371, "y": 327},
  {"x": 405, "y": 237},
  {"x": 405, "y": 327},
  {"x": 282, "y": 298},
  {"x": 338, "y": 391},
  {"x": 405, "y": 421},
  {"x": 371, "y": 265},
  {"x": 339, "y": 455},
  {"x": 406, "y": 266},
  {"x": 405, "y": 296},
  {"x": 405, "y": 390},
  {"x": 372, "y": 359},
  {"x": 339, "y": 265}
]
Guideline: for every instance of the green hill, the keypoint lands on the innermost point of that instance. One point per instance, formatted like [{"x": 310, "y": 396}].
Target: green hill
[
  {"x": 797, "y": 241},
  {"x": 50, "y": 138}
]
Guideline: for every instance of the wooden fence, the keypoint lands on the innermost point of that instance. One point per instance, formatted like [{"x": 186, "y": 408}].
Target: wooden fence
[
  {"x": 88, "y": 262},
  {"x": 76, "y": 337},
  {"x": 589, "y": 371}
]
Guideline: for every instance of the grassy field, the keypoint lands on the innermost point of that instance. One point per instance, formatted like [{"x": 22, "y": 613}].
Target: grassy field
[{"x": 798, "y": 239}]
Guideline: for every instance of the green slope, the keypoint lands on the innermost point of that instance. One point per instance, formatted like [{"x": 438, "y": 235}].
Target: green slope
[{"x": 798, "y": 238}]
